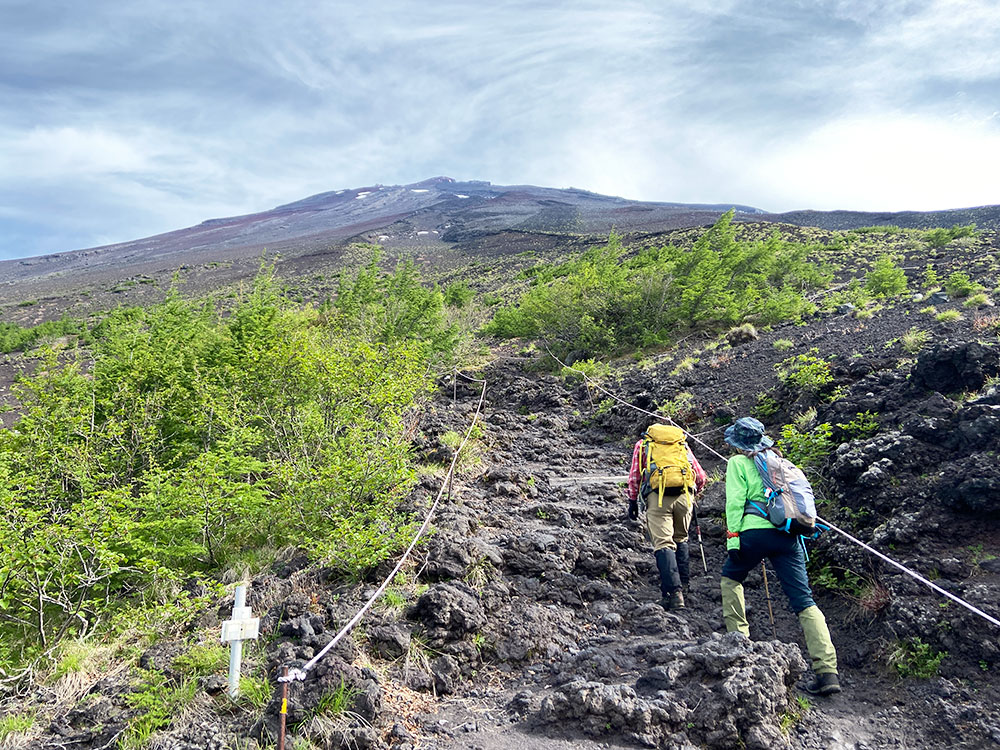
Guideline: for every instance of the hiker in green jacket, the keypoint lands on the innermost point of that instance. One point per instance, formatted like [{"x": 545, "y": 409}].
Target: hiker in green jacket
[{"x": 751, "y": 538}]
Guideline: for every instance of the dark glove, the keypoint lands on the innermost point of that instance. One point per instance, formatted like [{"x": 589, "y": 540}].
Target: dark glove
[
  {"x": 735, "y": 557},
  {"x": 633, "y": 509}
]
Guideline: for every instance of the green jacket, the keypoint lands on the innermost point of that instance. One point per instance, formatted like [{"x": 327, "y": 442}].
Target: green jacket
[{"x": 743, "y": 483}]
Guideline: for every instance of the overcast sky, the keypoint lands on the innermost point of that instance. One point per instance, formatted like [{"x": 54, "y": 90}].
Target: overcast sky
[{"x": 120, "y": 120}]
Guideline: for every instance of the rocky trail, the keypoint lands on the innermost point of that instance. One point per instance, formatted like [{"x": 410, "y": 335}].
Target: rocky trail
[{"x": 624, "y": 672}]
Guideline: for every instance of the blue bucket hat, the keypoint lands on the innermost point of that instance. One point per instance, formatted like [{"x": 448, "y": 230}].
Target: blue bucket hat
[{"x": 747, "y": 434}]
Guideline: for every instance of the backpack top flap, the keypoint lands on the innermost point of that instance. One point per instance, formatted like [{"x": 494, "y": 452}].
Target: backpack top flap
[{"x": 665, "y": 433}]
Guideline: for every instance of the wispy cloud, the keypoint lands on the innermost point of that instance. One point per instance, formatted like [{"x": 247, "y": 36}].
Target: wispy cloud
[{"x": 119, "y": 121}]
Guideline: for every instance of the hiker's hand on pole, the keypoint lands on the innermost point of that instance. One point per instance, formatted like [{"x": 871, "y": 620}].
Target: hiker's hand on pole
[{"x": 633, "y": 509}]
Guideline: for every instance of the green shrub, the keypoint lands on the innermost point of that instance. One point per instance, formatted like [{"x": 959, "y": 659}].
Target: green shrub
[
  {"x": 805, "y": 371},
  {"x": 940, "y": 237},
  {"x": 914, "y": 658},
  {"x": 605, "y": 303},
  {"x": 840, "y": 580},
  {"x": 679, "y": 407},
  {"x": 783, "y": 345},
  {"x": 806, "y": 449},
  {"x": 864, "y": 425},
  {"x": 195, "y": 440},
  {"x": 977, "y": 300},
  {"x": 586, "y": 368},
  {"x": 766, "y": 405},
  {"x": 458, "y": 294},
  {"x": 384, "y": 308},
  {"x": 937, "y": 237},
  {"x": 914, "y": 340},
  {"x": 930, "y": 280},
  {"x": 886, "y": 279},
  {"x": 959, "y": 284},
  {"x": 854, "y": 293},
  {"x": 15, "y": 338},
  {"x": 929, "y": 310},
  {"x": 948, "y": 316}
]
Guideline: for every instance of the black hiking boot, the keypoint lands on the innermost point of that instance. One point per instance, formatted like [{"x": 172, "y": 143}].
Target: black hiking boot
[
  {"x": 683, "y": 566},
  {"x": 827, "y": 683},
  {"x": 666, "y": 564},
  {"x": 672, "y": 602}
]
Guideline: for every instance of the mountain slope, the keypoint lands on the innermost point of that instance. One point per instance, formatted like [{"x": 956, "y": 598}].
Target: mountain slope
[{"x": 316, "y": 223}]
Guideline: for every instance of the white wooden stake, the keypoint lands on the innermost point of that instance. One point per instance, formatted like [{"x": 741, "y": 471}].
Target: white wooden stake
[{"x": 241, "y": 628}]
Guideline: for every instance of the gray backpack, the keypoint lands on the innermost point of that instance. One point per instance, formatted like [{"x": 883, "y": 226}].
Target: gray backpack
[{"x": 789, "y": 503}]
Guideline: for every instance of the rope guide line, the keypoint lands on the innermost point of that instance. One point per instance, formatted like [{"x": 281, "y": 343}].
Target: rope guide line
[
  {"x": 301, "y": 672},
  {"x": 909, "y": 572},
  {"x": 886, "y": 558}
]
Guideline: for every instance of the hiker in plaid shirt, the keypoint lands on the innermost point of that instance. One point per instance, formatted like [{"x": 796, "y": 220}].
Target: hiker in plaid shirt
[{"x": 667, "y": 520}]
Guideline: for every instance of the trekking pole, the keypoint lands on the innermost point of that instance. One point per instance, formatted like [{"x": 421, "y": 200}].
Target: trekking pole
[
  {"x": 697, "y": 532},
  {"x": 767, "y": 593}
]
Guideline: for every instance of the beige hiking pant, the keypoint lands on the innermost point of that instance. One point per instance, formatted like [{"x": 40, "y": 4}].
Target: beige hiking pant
[{"x": 667, "y": 526}]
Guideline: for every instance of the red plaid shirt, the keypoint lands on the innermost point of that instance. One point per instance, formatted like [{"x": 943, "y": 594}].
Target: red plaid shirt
[{"x": 635, "y": 472}]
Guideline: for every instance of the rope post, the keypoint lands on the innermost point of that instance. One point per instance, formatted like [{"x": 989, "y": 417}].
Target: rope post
[
  {"x": 236, "y": 647},
  {"x": 767, "y": 593},
  {"x": 242, "y": 627},
  {"x": 284, "y": 710}
]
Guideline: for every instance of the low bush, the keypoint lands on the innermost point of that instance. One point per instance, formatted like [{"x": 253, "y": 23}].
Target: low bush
[
  {"x": 805, "y": 371},
  {"x": 806, "y": 449},
  {"x": 940, "y": 237},
  {"x": 959, "y": 284},
  {"x": 458, "y": 294},
  {"x": 886, "y": 279},
  {"x": 976, "y": 301},
  {"x": 914, "y": 658},
  {"x": 930, "y": 280},
  {"x": 914, "y": 340},
  {"x": 864, "y": 425},
  {"x": 15, "y": 338},
  {"x": 948, "y": 316},
  {"x": 679, "y": 408},
  {"x": 605, "y": 303}
]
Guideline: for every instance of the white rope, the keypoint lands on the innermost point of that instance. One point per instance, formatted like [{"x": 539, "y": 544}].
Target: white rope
[
  {"x": 912, "y": 574},
  {"x": 857, "y": 541},
  {"x": 300, "y": 673}
]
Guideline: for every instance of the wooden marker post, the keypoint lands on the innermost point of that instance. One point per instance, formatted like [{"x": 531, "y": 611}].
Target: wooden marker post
[{"x": 241, "y": 628}]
